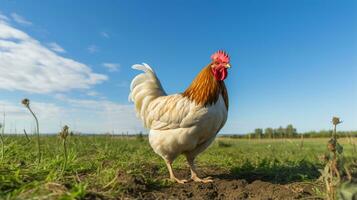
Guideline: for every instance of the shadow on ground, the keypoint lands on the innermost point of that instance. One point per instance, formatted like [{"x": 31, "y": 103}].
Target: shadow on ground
[{"x": 273, "y": 173}]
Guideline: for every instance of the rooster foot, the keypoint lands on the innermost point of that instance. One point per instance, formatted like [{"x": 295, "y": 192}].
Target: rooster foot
[
  {"x": 174, "y": 179},
  {"x": 202, "y": 180}
]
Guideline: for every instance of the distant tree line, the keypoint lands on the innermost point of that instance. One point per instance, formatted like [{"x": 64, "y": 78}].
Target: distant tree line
[
  {"x": 291, "y": 132},
  {"x": 288, "y": 132}
]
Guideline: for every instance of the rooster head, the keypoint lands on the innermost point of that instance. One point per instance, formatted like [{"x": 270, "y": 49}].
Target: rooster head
[{"x": 219, "y": 65}]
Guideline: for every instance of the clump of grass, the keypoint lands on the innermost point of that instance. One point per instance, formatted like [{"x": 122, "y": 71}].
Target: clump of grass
[
  {"x": 63, "y": 135},
  {"x": 140, "y": 136},
  {"x": 26, "y": 103},
  {"x": 223, "y": 144}
]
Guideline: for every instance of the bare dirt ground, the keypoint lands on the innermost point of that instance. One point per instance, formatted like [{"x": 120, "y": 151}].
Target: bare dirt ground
[{"x": 225, "y": 186}]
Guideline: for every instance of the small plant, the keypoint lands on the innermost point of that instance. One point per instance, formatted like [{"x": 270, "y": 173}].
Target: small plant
[
  {"x": 26, "y": 103},
  {"x": 63, "y": 135},
  {"x": 331, "y": 174}
]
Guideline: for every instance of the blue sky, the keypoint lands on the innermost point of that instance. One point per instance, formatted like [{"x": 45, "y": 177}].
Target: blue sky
[{"x": 292, "y": 61}]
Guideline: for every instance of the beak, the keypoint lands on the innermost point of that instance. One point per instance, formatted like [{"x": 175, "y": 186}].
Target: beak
[{"x": 228, "y": 65}]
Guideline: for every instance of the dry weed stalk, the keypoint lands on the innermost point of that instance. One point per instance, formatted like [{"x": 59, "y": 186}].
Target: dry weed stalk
[
  {"x": 331, "y": 175},
  {"x": 63, "y": 135},
  {"x": 26, "y": 103},
  {"x": 301, "y": 141},
  {"x": 27, "y": 137}
]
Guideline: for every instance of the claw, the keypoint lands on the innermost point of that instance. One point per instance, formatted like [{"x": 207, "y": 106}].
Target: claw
[
  {"x": 202, "y": 180},
  {"x": 183, "y": 181}
]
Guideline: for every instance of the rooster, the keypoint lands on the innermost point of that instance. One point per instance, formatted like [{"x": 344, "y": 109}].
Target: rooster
[{"x": 184, "y": 123}]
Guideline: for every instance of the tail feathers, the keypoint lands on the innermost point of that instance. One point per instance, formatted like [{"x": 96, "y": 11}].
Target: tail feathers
[
  {"x": 144, "y": 88},
  {"x": 144, "y": 67}
]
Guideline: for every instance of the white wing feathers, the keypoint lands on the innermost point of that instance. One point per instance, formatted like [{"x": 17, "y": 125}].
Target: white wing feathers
[
  {"x": 172, "y": 112},
  {"x": 157, "y": 110}
]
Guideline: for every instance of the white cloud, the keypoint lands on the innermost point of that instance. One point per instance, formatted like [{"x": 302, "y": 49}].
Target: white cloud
[
  {"x": 93, "y": 49},
  {"x": 104, "y": 34},
  {"x": 56, "y": 47},
  {"x": 27, "y": 65},
  {"x": 3, "y": 17},
  {"x": 21, "y": 20},
  {"x": 93, "y": 93},
  {"x": 111, "y": 67}
]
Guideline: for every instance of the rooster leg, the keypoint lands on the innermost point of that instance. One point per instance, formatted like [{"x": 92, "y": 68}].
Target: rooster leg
[
  {"x": 194, "y": 176},
  {"x": 172, "y": 175}
]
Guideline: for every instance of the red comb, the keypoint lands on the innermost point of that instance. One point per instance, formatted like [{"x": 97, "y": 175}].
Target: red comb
[{"x": 220, "y": 56}]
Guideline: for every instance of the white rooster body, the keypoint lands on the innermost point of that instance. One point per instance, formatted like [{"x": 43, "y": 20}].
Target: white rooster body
[
  {"x": 193, "y": 129},
  {"x": 178, "y": 125}
]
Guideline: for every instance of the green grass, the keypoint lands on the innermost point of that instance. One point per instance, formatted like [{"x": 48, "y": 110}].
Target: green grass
[{"x": 95, "y": 161}]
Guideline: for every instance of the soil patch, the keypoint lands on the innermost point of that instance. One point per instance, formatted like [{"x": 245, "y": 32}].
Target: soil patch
[{"x": 225, "y": 186}]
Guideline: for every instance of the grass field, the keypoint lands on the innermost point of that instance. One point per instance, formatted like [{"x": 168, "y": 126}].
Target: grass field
[{"x": 107, "y": 167}]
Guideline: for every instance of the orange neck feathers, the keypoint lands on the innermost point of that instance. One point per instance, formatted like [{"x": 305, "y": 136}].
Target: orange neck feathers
[{"x": 205, "y": 89}]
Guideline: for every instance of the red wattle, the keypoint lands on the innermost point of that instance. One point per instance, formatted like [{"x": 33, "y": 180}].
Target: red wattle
[{"x": 220, "y": 74}]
